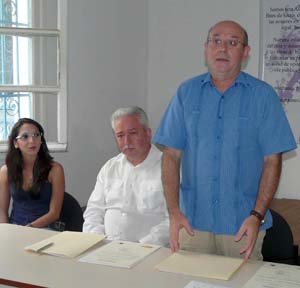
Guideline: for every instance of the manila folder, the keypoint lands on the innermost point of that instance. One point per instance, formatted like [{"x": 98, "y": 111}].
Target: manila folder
[
  {"x": 66, "y": 244},
  {"x": 201, "y": 265}
]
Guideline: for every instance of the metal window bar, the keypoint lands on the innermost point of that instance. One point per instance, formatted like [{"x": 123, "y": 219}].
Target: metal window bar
[
  {"x": 10, "y": 102},
  {"x": 18, "y": 29},
  {"x": 10, "y": 110}
]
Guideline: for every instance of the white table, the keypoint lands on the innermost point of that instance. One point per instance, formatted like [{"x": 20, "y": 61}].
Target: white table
[{"x": 26, "y": 269}]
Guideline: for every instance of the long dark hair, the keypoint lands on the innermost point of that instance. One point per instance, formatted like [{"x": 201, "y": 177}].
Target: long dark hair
[{"x": 15, "y": 164}]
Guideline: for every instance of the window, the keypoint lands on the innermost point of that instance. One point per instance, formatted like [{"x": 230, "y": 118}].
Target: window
[{"x": 33, "y": 67}]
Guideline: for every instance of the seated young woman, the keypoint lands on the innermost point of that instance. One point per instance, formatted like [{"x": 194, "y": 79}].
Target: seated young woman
[{"x": 31, "y": 178}]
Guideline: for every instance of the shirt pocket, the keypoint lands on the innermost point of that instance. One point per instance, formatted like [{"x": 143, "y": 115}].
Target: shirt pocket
[
  {"x": 192, "y": 123},
  {"x": 151, "y": 198},
  {"x": 114, "y": 192}
]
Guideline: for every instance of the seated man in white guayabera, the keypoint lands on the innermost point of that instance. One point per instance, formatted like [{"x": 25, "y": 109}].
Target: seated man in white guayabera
[{"x": 128, "y": 202}]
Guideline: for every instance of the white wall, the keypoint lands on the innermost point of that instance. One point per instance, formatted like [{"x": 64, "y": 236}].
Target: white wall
[
  {"x": 177, "y": 32},
  {"x": 107, "y": 66}
]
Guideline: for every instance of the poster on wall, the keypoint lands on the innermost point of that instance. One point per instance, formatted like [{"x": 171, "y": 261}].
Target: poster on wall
[{"x": 280, "y": 54}]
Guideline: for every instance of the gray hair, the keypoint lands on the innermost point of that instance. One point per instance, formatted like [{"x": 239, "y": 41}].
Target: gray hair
[{"x": 129, "y": 111}]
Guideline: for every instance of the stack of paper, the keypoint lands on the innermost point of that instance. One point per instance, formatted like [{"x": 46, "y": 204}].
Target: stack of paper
[
  {"x": 66, "y": 244},
  {"x": 201, "y": 265},
  {"x": 120, "y": 254}
]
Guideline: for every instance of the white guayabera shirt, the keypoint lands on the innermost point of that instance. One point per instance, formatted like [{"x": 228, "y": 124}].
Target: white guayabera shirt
[{"x": 127, "y": 202}]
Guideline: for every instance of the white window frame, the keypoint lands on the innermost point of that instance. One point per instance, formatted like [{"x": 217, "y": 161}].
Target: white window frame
[{"x": 61, "y": 88}]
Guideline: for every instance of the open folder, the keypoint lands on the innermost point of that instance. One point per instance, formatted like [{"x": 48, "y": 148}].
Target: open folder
[
  {"x": 201, "y": 265},
  {"x": 66, "y": 244}
]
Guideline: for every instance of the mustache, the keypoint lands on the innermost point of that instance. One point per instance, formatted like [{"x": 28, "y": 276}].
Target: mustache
[{"x": 127, "y": 147}]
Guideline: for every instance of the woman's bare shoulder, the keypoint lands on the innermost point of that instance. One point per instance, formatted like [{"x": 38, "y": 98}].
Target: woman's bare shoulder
[
  {"x": 3, "y": 173},
  {"x": 56, "y": 170},
  {"x": 57, "y": 166},
  {"x": 3, "y": 169}
]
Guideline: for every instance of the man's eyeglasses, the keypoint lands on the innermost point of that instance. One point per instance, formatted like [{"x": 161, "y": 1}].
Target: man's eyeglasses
[
  {"x": 25, "y": 136},
  {"x": 218, "y": 42}
]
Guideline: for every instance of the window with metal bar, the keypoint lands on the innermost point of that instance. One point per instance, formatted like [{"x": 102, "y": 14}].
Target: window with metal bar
[{"x": 33, "y": 67}]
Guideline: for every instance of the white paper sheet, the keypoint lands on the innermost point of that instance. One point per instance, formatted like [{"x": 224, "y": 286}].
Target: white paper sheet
[
  {"x": 197, "y": 284},
  {"x": 276, "y": 276},
  {"x": 120, "y": 254}
]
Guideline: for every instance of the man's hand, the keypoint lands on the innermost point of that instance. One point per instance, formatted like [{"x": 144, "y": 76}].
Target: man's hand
[
  {"x": 249, "y": 229},
  {"x": 177, "y": 222}
]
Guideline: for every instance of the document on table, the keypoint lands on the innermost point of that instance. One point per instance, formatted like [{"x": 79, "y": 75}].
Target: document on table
[
  {"x": 66, "y": 244},
  {"x": 120, "y": 254},
  {"x": 197, "y": 284},
  {"x": 201, "y": 265},
  {"x": 276, "y": 276}
]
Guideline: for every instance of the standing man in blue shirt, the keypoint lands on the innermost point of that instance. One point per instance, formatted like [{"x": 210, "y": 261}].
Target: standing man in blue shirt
[{"x": 227, "y": 131}]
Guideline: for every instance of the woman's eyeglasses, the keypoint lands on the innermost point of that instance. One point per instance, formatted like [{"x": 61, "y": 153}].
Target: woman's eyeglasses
[{"x": 25, "y": 136}]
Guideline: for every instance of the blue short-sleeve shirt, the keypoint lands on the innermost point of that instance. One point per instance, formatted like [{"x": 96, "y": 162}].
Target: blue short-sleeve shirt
[{"x": 223, "y": 139}]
